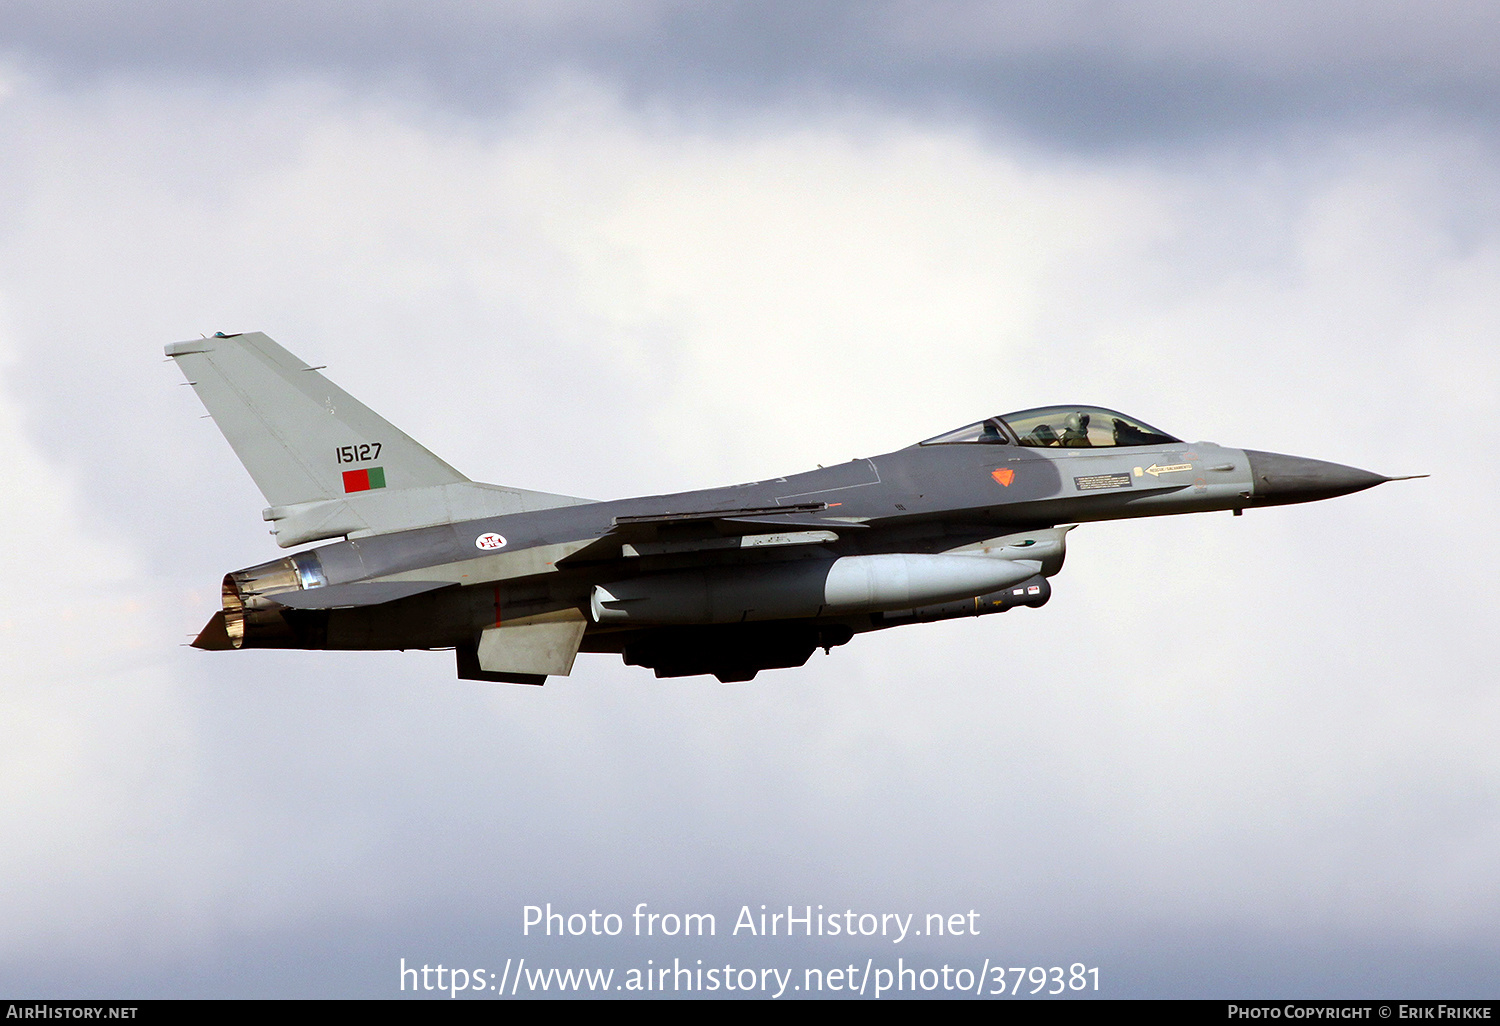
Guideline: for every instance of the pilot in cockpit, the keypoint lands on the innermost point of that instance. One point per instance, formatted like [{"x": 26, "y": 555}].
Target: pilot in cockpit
[{"x": 1076, "y": 434}]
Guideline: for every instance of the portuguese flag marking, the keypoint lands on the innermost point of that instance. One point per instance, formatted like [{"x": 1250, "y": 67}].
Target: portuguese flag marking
[{"x": 364, "y": 480}]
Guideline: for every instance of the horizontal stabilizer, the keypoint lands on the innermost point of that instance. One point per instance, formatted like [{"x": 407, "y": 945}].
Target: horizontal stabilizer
[{"x": 361, "y": 593}]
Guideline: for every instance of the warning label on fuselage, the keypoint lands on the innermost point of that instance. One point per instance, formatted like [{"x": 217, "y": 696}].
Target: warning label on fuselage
[{"x": 1096, "y": 482}]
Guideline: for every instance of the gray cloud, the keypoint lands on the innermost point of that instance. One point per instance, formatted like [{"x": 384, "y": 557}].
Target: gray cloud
[{"x": 1082, "y": 75}]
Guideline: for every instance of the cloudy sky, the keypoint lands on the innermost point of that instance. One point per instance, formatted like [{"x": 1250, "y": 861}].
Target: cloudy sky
[{"x": 614, "y": 249}]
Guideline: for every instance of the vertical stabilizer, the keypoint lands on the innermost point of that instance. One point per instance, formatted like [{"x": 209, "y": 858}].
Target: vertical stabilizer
[
  {"x": 329, "y": 465},
  {"x": 301, "y": 437}
]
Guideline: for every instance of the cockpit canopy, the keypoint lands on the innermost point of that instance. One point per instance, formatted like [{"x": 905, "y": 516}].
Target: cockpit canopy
[{"x": 1059, "y": 427}]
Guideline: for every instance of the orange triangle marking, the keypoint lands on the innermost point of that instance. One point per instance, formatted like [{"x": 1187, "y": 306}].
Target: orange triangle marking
[{"x": 1004, "y": 476}]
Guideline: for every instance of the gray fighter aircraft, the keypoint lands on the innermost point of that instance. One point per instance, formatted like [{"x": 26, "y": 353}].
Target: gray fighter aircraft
[{"x": 727, "y": 581}]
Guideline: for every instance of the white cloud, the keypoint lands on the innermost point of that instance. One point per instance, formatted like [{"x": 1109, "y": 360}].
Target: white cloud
[{"x": 92, "y": 743}]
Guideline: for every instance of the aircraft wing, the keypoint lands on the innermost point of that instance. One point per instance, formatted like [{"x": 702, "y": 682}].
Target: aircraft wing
[
  {"x": 748, "y": 527},
  {"x": 359, "y": 593}
]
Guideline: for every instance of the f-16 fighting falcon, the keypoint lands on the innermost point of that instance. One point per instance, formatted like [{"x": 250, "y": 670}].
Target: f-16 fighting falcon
[{"x": 727, "y": 581}]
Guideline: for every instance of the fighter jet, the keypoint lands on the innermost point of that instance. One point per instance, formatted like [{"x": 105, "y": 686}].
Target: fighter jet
[{"x": 726, "y": 581}]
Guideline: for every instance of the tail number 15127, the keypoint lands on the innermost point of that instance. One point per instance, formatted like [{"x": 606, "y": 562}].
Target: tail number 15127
[{"x": 358, "y": 453}]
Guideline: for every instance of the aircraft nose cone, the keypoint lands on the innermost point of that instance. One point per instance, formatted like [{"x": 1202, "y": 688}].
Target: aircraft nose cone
[{"x": 1278, "y": 480}]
